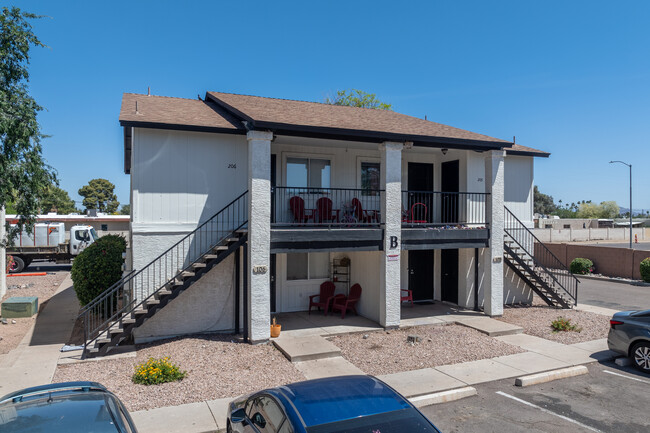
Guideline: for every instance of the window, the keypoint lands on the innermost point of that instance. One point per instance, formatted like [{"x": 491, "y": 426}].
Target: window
[
  {"x": 265, "y": 413},
  {"x": 306, "y": 172},
  {"x": 104, "y": 227},
  {"x": 567, "y": 226},
  {"x": 307, "y": 266},
  {"x": 370, "y": 178}
]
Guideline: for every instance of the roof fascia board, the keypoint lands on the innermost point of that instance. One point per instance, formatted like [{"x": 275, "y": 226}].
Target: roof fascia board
[
  {"x": 524, "y": 153},
  {"x": 378, "y": 137},
  {"x": 179, "y": 127}
]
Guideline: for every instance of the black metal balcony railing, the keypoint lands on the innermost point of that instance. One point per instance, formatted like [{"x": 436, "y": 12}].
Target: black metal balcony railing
[
  {"x": 443, "y": 208},
  {"x": 352, "y": 207},
  {"x": 327, "y": 207}
]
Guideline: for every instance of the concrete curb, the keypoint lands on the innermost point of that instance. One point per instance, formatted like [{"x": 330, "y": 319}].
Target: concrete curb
[
  {"x": 614, "y": 280},
  {"x": 443, "y": 397},
  {"x": 562, "y": 373}
]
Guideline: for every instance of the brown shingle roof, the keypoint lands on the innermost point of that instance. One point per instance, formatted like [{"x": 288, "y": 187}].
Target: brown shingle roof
[
  {"x": 518, "y": 149},
  {"x": 168, "y": 111},
  {"x": 266, "y": 112},
  {"x": 223, "y": 112}
]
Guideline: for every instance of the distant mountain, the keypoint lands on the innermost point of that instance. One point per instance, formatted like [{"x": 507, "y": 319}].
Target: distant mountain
[{"x": 624, "y": 210}]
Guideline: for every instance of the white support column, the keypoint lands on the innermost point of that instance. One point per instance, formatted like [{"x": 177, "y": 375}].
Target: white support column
[
  {"x": 391, "y": 215},
  {"x": 259, "y": 235},
  {"x": 493, "y": 260},
  {"x": 3, "y": 254}
]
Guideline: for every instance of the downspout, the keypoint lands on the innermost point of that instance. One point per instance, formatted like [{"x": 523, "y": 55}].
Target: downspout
[
  {"x": 476, "y": 279},
  {"x": 237, "y": 289},
  {"x": 246, "y": 292}
]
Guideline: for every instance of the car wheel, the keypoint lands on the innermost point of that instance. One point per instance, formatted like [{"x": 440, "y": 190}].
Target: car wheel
[
  {"x": 641, "y": 356},
  {"x": 17, "y": 265}
]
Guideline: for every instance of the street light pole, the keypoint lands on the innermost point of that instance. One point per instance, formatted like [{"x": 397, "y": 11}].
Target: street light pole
[{"x": 629, "y": 165}]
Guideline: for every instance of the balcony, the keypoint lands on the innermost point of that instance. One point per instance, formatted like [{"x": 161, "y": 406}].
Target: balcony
[
  {"x": 325, "y": 219},
  {"x": 432, "y": 219}
]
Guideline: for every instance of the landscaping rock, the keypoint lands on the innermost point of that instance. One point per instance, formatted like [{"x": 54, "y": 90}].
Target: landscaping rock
[{"x": 413, "y": 339}]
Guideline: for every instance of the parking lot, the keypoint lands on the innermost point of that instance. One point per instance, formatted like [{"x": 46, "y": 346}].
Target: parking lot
[{"x": 610, "y": 398}]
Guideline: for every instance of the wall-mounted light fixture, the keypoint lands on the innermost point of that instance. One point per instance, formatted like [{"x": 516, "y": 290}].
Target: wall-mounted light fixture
[{"x": 444, "y": 151}]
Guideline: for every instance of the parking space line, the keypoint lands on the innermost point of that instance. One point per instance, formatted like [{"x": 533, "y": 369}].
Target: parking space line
[
  {"x": 548, "y": 411},
  {"x": 627, "y": 377}
]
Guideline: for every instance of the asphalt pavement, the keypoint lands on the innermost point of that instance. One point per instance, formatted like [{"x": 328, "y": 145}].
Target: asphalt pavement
[
  {"x": 608, "y": 399},
  {"x": 645, "y": 246},
  {"x": 614, "y": 295}
]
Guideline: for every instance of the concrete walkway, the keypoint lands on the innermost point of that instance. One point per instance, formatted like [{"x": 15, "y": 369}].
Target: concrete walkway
[{"x": 35, "y": 359}]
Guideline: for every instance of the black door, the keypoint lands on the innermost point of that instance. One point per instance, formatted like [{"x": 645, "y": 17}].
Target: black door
[
  {"x": 450, "y": 180},
  {"x": 420, "y": 198},
  {"x": 449, "y": 277},
  {"x": 421, "y": 274}
]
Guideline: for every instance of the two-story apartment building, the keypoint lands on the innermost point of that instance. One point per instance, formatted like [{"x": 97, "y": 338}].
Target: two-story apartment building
[{"x": 241, "y": 206}]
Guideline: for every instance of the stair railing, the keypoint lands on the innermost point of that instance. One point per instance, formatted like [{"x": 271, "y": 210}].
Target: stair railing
[
  {"x": 135, "y": 288},
  {"x": 542, "y": 257}
]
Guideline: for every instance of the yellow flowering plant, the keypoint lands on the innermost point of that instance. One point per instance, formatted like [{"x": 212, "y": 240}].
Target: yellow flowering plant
[{"x": 156, "y": 371}]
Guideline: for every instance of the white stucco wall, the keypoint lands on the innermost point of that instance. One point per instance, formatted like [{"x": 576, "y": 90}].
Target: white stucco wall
[
  {"x": 515, "y": 291},
  {"x": 206, "y": 306},
  {"x": 518, "y": 189},
  {"x": 185, "y": 177}
]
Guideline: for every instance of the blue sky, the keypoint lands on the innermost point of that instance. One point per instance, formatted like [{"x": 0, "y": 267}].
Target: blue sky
[{"x": 568, "y": 77}]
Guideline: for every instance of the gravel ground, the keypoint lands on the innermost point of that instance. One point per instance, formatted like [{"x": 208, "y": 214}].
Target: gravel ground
[
  {"x": 536, "y": 320},
  {"x": 386, "y": 352},
  {"x": 43, "y": 288},
  {"x": 216, "y": 368}
]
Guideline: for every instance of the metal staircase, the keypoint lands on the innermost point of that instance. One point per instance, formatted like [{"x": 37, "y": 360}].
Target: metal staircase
[
  {"x": 537, "y": 266},
  {"x": 110, "y": 318}
]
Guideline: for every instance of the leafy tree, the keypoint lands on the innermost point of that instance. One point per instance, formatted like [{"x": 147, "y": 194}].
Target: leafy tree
[
  {"x": 24, "y": 174},
  {"x": 98, "y": 194},
  {"x": 610, "y": 209},
  {"x": 589, "y": 210},
  {"x": 58, "y": 199},
  {"x": 357, "y": 98},
  {"x": 543, "y": 203},
  {"x": 126, "y": 209}
]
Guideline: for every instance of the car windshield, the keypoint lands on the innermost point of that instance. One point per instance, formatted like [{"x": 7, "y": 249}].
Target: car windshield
[
  {"x": 398, "y": 421},
  {"x": 94, "y": 234},
  {"x": 53, "y": 413}
]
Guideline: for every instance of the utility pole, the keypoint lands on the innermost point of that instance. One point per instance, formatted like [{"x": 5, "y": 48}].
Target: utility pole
[{"x": 629, "y": 165}]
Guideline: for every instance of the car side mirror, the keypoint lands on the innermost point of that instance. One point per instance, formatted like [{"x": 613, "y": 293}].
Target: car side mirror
[
  {"x": 238, "y": 416},
  {"x": 259, "y": 420}
]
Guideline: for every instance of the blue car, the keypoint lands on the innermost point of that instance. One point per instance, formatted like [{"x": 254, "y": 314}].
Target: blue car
[
  {"x": 70, "y": 407},
  {"x": 346, "y": 404}
]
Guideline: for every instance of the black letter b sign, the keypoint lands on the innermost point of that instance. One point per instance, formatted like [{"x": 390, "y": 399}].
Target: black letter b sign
[{"x": 393, "y": 242}]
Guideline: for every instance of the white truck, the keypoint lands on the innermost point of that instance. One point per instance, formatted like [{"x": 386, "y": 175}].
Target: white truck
[{"x": 47, "y": 241}]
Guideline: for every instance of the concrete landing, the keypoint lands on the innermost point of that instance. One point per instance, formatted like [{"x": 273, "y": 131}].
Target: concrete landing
[
  {"x": 568, "y": 354},
  {"x": 490, "y": 327},
  {"x": 205, "y": 416},
  {"x": 420, "y": 382},
  {"x": 298, "y": 349},
  {"x": 327, "y": 367}
]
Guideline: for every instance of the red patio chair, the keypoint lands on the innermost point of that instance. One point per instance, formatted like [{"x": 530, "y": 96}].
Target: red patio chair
[
  {"x": 325, "y": 212},
  {"x": 406, "y": 295},
  {"x": 361, "y": 215},
  {"x": 297, "y": 205},
  {"x": 418, "y": 213},
  {"x": 343, "y": 304},
  {"x": 324, "y": 297}
]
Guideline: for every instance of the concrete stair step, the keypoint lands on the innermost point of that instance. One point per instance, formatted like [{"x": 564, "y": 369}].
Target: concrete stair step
[{"x": 298, "y": 349}]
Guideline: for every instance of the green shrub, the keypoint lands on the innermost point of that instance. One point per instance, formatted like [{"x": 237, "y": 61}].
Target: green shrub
[
  {"x": 563, "y": 324},
  {"x": 645, "y": 269},
  {"x": 156, "y": 371},
  {"x": 581, "y": 266},
  {"x": 98, "y": 267}
]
